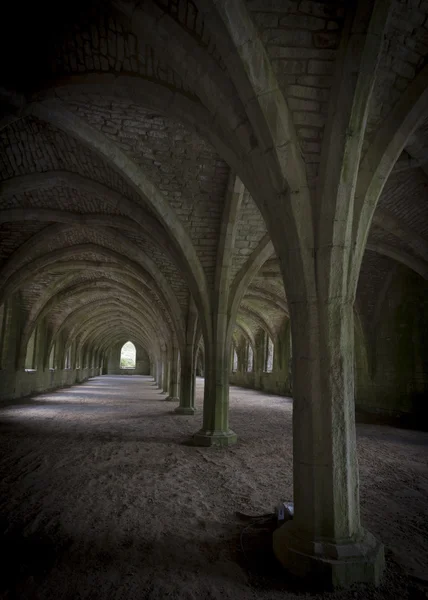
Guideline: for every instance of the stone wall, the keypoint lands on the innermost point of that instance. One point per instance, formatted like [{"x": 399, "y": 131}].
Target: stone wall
[
  {"x": 272, "y": 383},
  {"x": 394, "y": 382},
  {"x": 278, "y": 381},
  {"x": 391, "y": 355},
  {"x": 44, "y": 368},
  {"x": 18, "y": 384},
  {"x": 142, "y": 362}
]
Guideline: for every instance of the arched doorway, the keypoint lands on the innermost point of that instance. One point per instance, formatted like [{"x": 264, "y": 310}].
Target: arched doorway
[{"x": 128, "y": 356}]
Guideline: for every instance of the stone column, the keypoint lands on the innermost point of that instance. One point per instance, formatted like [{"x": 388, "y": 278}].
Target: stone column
[
  {"x": 165, "y": 375},
  {"x": 59, "y": 355},
  {"x": 173, "y": 377},
  {"x": 325, "y": 536},
  {"x": 187, "y": 365},
  {"x": 215, "y": 427},
  {"x": 187, "y": 384},
  {"x": 41, "y": 358},
  {"x": 9, "y": 351},
  {"x": 159, "y": 373},
  {"x": 242, "y": 357}
]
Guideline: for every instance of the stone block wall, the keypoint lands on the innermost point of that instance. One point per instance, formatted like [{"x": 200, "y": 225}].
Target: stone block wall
[
  {"x": 18, "y": 384},
  {"x": 142, "y": 362},
  {"x": 391, "y": 355},
  {"x": 272, "y": 383},
  {"x": 278, "y": 381},
  {"x": 394, "y": 382},
  {"x": 43, "y": 369}
]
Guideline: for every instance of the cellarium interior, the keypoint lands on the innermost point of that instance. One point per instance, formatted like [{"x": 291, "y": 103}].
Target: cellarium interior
[{"x": 214, "y": 298}]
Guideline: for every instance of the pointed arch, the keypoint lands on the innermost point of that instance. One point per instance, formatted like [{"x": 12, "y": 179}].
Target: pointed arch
[
  {"x": 55, "y": 112},
  {"x": 128, "y": 356}
]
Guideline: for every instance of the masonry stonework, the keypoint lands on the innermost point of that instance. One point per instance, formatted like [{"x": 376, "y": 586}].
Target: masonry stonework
[{"x": 240, "y": 189}]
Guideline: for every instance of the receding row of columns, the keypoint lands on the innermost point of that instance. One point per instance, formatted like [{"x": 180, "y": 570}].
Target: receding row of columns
[
  {"x": 325, "y": 535},
  {"x": 326, "y": 532},
  {"x": 43, "y": 351},
  {"x": 175, "y": 376}
]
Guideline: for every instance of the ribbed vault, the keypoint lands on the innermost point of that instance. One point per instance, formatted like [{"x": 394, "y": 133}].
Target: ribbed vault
[{"x": 198, "y": 176}]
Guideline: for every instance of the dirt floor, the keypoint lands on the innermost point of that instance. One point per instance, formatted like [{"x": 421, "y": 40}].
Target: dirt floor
[{"x": 103, "y": 498}]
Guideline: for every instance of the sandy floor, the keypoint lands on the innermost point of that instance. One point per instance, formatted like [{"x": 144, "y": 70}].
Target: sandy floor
[{"x": 102, "y": 498}]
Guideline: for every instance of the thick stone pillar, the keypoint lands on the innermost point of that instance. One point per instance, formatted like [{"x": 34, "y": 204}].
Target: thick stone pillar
[
  {"x": 41, "y": 347},
  {"x": 9, "y": 345},
  {"x": 215, "y": 428},
  {"x": 187, "y": 385},
  {"x": 159, "y": 373},
  {"x": 173, "y": 377},
  {"x": 187, "y": 366},
  {"x": 325, "y": 538},
  {"x": 242, "y": 358},
  {"x": 59, "y": 355},
  {"x": 165, "y": 374}
]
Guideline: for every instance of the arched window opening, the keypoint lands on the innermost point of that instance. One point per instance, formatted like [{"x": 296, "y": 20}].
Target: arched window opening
[
  {"x": 269, "y": 355},
  {"x": 30, "y": 357},
  {"x": 127, "y": 356},
  {"x": 235, "y": 361},
  {"x": 250, "y": 358},
  {"x": 52, "y": 358},
  {"x": 67, "y": 362}
]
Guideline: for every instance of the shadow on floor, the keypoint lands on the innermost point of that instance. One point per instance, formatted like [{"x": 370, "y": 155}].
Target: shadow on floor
[
  {"x": 401, "y": 421},
  {"x": 242, "y": 553}
]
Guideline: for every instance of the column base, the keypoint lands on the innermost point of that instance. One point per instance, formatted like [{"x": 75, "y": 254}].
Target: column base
[
  {"x": 185, "y": 410},
  {"x": 328, "y": 564},
  {"x": 172, "y": 399},
  {"x": 215, "y": 438}
]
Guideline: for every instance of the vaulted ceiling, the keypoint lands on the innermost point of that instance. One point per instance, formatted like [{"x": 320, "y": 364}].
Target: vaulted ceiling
[{"x": 121, "y": 135}]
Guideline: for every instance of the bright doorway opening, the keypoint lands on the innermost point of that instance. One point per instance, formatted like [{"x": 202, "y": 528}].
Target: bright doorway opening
[{"x": 127, "y": 356}]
